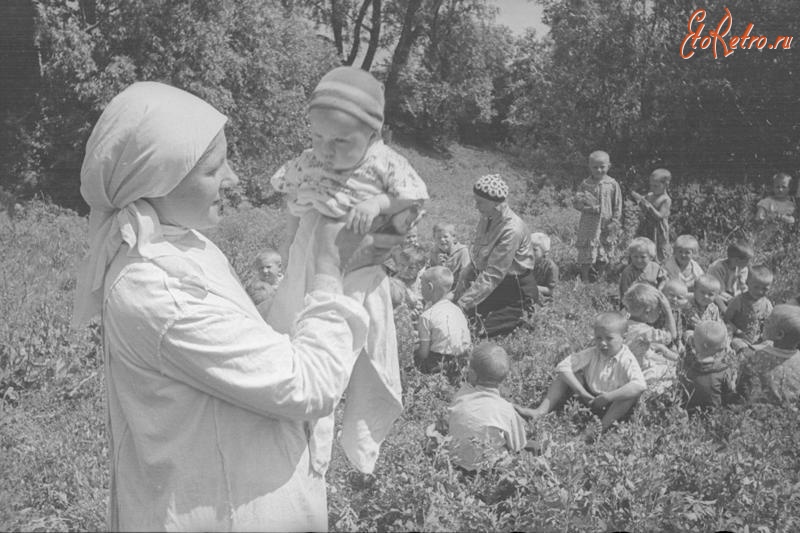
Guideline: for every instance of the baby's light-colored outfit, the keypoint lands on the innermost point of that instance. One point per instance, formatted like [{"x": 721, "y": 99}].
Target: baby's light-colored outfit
[
  {"x": 374, "y": 398},
  {"x": 687, "y": 275}
]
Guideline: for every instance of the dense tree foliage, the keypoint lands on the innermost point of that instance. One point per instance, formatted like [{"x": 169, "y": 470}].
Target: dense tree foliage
[{"x": 609, "y": 75}]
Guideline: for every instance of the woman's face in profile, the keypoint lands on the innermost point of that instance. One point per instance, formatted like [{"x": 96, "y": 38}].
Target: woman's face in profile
[{"x": 196, "y": 202}]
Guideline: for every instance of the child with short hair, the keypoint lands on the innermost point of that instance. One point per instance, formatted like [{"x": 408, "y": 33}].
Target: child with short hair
[
  {"x": 351, "y": 175},
  {"x": 482, "y": 424},
  {"x": 268, "y": 276},
  {"x": 748, "y": 311},
  {"x": 641, "y": 266},
  {"x": 655, "y": 208},
  {"x": 709, "y": 380},
  {"x": 678, "y": 297},
  {"x": 731, "y": 272},
  {"x": 682, "y": 264},
  {"x": 545, "y": 271},
  {"x": 448, "y": 252},
  {"x": 779, "y": 206},
  {"x": 599, "y": 199},
  {"x": 606, "y": 377},
  {"x": 701, "y": 306},
  {"x": 645, "y": 304},
  {"x": 409, "y": 260},
  {"x": 443, "y": 330},
  {"x": 772, "y": 372}
]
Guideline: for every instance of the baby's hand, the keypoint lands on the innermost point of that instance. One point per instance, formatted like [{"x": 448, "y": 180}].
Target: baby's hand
[{"x": 361, "y": 216}]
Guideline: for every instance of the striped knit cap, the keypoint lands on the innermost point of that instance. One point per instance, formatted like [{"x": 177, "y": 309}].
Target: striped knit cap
[
  {"x": 354, "y": 91},
  {"x": 492, "y": 187}
]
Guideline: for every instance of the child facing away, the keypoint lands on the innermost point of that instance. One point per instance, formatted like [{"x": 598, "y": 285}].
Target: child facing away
[
  {"x": 771, "y": 373},
  {"x": 483, "y": 425},
  {"x": 654, "y": 212},
  {"x": 645, "y": 304},
  {"x": 779, "y": 207},
  {"x": 748, "y": 311},
  {"x": 268, "y": 276},
  {"x": 448, "y": 252},
  {"x": 642, "y": 267},
  {"x": 599, "y": 200},
  {"x": 701, "y": 307},
  {"x": 545, "y": 270},
  {"x": 709, "y": 380},
  {"x": 444, "y": 336},
  {"x": 351, "y": 175},
  {"x": 682, "y": 265},
  {"x": 606, "y": 377},
  {"x": 731, "y": 272}
]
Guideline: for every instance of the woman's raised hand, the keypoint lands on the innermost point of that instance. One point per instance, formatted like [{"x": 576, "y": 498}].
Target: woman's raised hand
[{"x": 341, "y": 250}]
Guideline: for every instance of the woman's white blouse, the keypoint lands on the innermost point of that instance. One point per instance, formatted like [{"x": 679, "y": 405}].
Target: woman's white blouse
[{"x": 207, "y": 404}]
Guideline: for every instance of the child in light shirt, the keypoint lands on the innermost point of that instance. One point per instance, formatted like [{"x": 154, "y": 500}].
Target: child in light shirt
[
  {"x": 606, "y": 377},
  {"x": 655, "y": 208},
  {"x": 779, "y": 206},
  {"x": 701, "y": 307},
  {"x": 544, "y": 269},
  {"x": 444, "y": 337},
  {"x": 731, "y": 272},
  {"x": 682, "y": 264},
  {"x": 483, "y": 425},
  {"x": 641, "y": 267},
  {"x": 748, "y": 311},
  {"x": 268, "y": 277},
  {"x": 709, "y": 379},
  {"x": 772, "y": 372},
  {"x": 405, "y": 285},
  {"x": 645, "y": 304},
  {"x": 678, "y": 297},
  {"x": 599, "y": 200},
  {"x": 349, "y": 174},
  {"x": 448, "y": 252}
]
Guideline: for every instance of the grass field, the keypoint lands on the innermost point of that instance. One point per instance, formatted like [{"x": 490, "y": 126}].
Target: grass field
[{"x": 737, "y": 469}]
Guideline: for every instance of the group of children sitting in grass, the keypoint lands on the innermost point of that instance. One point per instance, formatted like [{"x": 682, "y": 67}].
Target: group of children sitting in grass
[{"x": 715, "y": 335}]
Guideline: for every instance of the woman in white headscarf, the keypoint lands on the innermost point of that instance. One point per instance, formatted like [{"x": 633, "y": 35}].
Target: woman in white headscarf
[{"x": 208, "y": 406}]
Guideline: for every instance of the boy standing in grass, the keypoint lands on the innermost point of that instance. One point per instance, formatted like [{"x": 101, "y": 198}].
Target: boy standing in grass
[
  {"x": 444, "y": 336},
  {"x": 606, "y": 377},
  {"x": 599, "y": 200},
  {"x": 655, "y": 207},
  {"x": 447, "y": 251},
  {"x": 484, "y": 425},
  {"x": 732, "y": 272},
  {"x": 779, "y": 206},
  {"x": 748, "y": 311},
  {"x": 682, "y": 264}
]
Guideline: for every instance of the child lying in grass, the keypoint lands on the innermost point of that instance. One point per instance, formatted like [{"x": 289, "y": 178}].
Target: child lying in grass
[{"x": 606, "y": 377}]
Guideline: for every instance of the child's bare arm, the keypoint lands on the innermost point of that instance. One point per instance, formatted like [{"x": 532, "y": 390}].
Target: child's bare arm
[
  {"x": 362, "y": 215},
  {"x": 574, "y": 383},
  {"x": 664, "y": 351},
  {"x": 292, "y": 223},
  {"x": 666, "y": 310}
]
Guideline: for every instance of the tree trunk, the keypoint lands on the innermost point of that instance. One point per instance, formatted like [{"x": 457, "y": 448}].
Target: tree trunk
[
  {"x": 408, "y": 34},
  {"x": 337, "y": 23},
  {"x": 374, "y": 35},
  {"x": 362, "y": 12}
]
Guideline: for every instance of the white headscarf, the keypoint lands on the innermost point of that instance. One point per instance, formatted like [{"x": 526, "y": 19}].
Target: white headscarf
[{"x": 146, "y": 141}]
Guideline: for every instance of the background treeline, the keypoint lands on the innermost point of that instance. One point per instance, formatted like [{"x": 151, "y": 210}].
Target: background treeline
[{"x": 608, "y": 75}]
